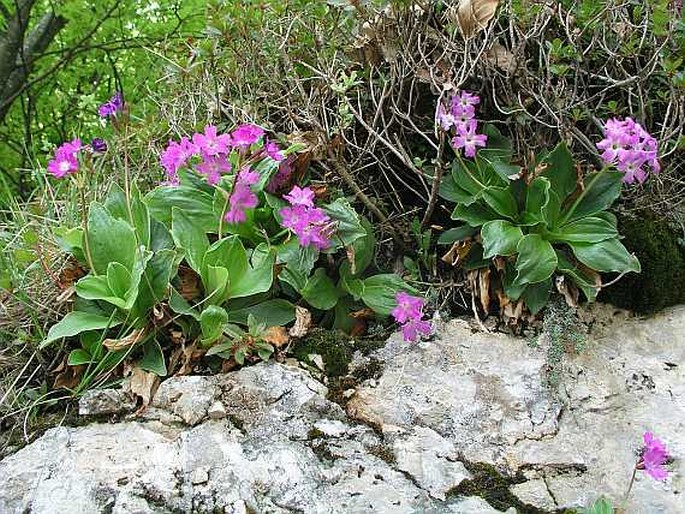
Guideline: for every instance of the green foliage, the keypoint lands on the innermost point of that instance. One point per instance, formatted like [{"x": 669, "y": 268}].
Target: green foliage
[
  {"x": 542, "y": 223},
  {"x": 251, "y": 275},
  {"x": 599, "y": 506}
]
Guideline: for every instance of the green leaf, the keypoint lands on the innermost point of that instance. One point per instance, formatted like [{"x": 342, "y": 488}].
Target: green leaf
[
  {"x": 71, "y": 240},
  {"x": 475, "y": 214},
  {"x": 536, "y": 259},
  {"x": 349, "y": 227},
  {"x": 119, "y": 280},
  {"x": 272, "y": 313},
  {"x": 537, "y": 198},
  {"x": 449, "y": 190},
  {"x": 212, "y": 321},
  {"x": 500, "y": 238},
  {"x": 499, "y": 147},
  {"x": 379, "y": 291},
  {"x": 580, "y": 277},
  {"x": 153, "y": 358},
  {"x": 586, "y": 230},
  {"x": 259, "y": 276},
  {"x": 363, "y": 249},
  {"x": 79, "y": 357},
  {"x": 456, "y": 234},
  {"x": 195, "y": 204},
  {"x": 76, "y": 322},
  {"x": 560, "y": 171},
  {"x": 512, "y": 288},
  {"x": 296, "y": 257},
  {"x": 216, "y": 282},
  {"x": 608, "y": 255},
  {"x": 194, "y": 242},
  {"x": 320, "y": 291},
  {"x": 501, "y": 201},
  {"x": 110, "y": 240},
  {"x": 154, "y": 282},
  {"x": 600, "y": 506},
  {"x": 601, "y": 190},
  {"x": 505, "y": 170},
  {"x": 180, "y": 305},
  {"x": 467, "y": 190},
  {"x": 537, "y": 295}
]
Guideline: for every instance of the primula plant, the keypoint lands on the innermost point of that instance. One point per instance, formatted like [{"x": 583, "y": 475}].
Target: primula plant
[
  {"x": 228, "y": 250},
  {"x": 546, "y": 221}
]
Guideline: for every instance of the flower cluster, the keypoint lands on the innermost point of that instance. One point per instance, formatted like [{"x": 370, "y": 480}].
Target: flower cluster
[
  {"x": 653, "y": 457},
  {"x": 242, "y": 197},
  {"x": 629, "y": 147},
  {"x": 309, "y": 223},
  {"x": 65, "y": 161},
  {"x": 112, "y": 106},
  {"x": 408, "y": 313},
  {"x": 461, "y": 115}
]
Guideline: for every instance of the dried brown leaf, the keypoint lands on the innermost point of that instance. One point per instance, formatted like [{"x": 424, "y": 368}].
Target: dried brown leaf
[
  {"x": 276, "y": 336},
  {"x": 115, "y": 345},
  {"x": 472, "y": 16},
  {"x": 144, "y": 385},
  {"x": 458, "y": 253},
  {"x": 69, "y": 378},
  {"x": 569, "y": 290},
  {"x": 303, "y": 322},
  {"x": 189, "y": 287},
  {"x": 500, "y": 57}
]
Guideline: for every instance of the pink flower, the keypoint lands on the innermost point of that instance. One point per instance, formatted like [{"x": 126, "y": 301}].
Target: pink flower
[
  {"x": 111, "y": 107},
  {"x": 654, "y": 456},
  {"x": 285, "y": 170},
  {"x": 213, "y": 166},
  {"x": 175, "y": 156},
  {"x": 242, "y": 197},
  {"x": 445, "y": 118},
  {"x": 211, "y": 143},
  {"x": 629, "y": 147},
  {"x": 299, "y": 196},
  {"x": 467, "y": 139},
  {"x": 246, "y": 135},
  {"x": 408, "y": 313},
  {"x": 65, "y": 161},
  {"x": 273, "y": 151},
  {"x": 310, "y": 224}
]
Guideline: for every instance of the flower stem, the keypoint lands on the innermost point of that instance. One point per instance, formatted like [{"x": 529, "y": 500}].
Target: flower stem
[
  {"x": 624, "y": 503},
  {"x": 84, "y": 220}
]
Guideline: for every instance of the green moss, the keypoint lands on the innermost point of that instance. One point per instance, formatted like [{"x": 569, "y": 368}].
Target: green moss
[{"x": 659, "y": 248}]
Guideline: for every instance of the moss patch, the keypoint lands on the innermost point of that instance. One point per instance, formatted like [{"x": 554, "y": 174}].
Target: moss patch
[{"x": 659, "y": 247}]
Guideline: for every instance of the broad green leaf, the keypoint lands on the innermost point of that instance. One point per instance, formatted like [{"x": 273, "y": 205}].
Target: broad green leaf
[
  {"x": 217, "y": 282},
  {"x": 475, "y": 214},
  {"x": 467, "y": 190},
  {"x": 608, "y": 255},
  {"x": 379, "y": 292},
  {"x": 585, "y": 230},
  {"x": 350, "y": 284},
  {"x": 154, "y": 282},
  {"x": 119, "y": 280},
  {"x": 582, "y": 278},
  {"x": 272, "y": 313},
  {"x": 160, "y": 237},
  {"x": 320, "y": 291},
  {"x": 76, "y": 322},
  {"x": 193, "y": 241},
  {"x": 180, "y": 305},
  {"x": 212, "y": 321},
  {"x": 512, "y": 288},
  {"x": 599, "y": 506},
  {"x": 259, "y": 276},
  {"x": 500, "y": 238},
  {"x": 96, "y": 287},
  {"x": 537, "y": 198},
  {"x": 71, "y": 240},
  {"x": 79, "y": 357},
  {"x": 536, "y": 260},
  {"x": 109, "y": 240},
  {"x": 504, "y": 170},
  {"x": 195, "y": 204},
  {"x": 363, "y": 249},
  {"x": 227, "y": 253},
  {"x": 552, "y": 211},
  {"x": 296, "y": 257},
  {"x": 456, "y": 234},
  {"x": 560, "y": 171},
  {"x": 537, "y": 295},
  {"x": 501, "y": 201},
  {"x": 153, "y": 358},
  {"x": 498, "y": 148},
  {"x": 137, "y": 215},
  {"x": 449, "y": 190},
  {"x": 349, "y": 227},
  {"x": 601, "y": 189}
]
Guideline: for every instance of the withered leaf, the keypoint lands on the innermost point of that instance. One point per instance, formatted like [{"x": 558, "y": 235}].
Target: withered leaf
[
  {"x": 303, "y": 322},
  {"x": 276, "y": 336},
  {"x": 472, "y": 16},
  {"x": 458, "y": 253},
  {"x": 569, "y": 290},
  {"x": 144, "y": 385},
  {"x": 500, "y": 57},
  {"x": 115, "y": 345}
]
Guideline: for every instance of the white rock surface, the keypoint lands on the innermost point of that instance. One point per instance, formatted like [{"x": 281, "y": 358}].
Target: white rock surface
[{"x": 265, "y": 439}]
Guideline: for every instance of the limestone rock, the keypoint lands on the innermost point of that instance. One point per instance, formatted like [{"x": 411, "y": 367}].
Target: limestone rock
[{"x": 98, "y": 402}]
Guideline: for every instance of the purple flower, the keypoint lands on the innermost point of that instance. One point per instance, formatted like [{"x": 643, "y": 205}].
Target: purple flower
[
  {"x": 467, "y": 139},
  {"x": 212, "y": 166},
  {"x": 98, "y": 145},
  {"x": 299, "y": 196},
  {"x": 210, "y": 143},
  {"x": 629, "y": 147},
  {"x": 445, "y": 118},
  {"x": 310, "y": 224},
  {"x": 242, "y": 197},
  {"x": 273, "y": 151},
  {"x": 408, "y": 313},
  {"x": 246, "y": 135},
  {"x": 111, "y": 107},
  {"x": 65, "y": 161},
  {"x": 175, "y": 157},
  {"x": 654, "y": 456}
]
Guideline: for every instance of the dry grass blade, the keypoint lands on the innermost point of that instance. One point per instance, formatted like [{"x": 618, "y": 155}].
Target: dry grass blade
[
  {"x": 474, "y": 15},
  {"x": 303, "y": 321},
  {"x": 114, "y": 345}
]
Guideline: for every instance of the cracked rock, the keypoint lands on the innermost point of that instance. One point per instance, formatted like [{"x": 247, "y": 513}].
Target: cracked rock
[{"x": 98, "y": 402}]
